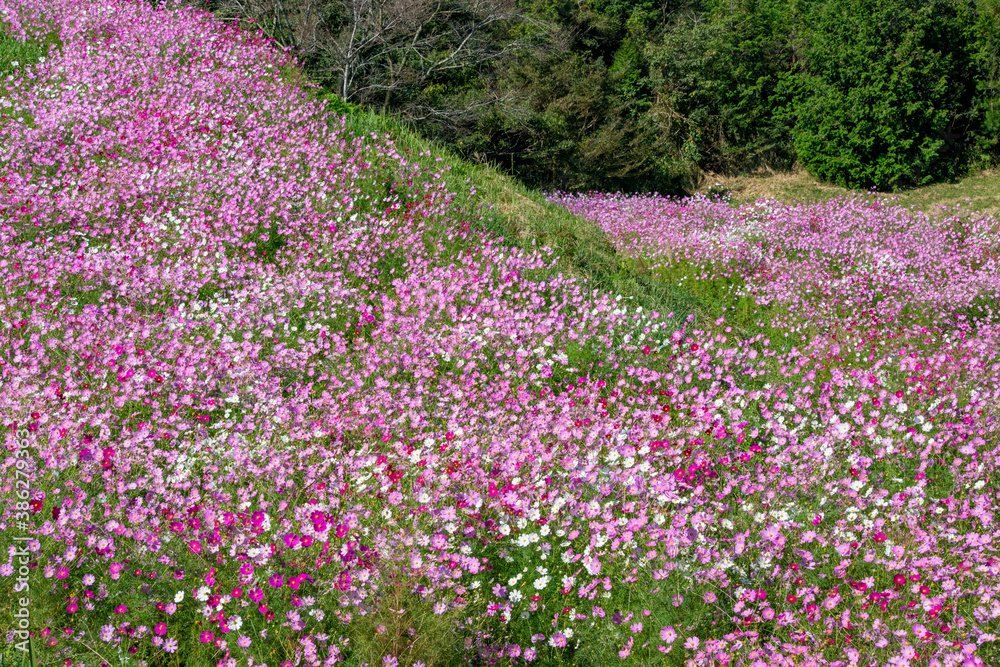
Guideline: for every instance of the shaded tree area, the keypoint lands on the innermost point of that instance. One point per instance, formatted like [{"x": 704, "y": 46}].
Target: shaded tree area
[{"x": 644, "y": 95}]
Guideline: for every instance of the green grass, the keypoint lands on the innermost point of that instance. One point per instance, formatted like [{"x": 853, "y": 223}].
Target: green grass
[{"x": 13, "y": 50}]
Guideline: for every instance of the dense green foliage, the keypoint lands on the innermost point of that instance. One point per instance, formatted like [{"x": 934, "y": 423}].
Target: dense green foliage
[
  {"x": 887, "y": 97},
  {"x": 654, "y": 94},
  {"x": 987, "y": 59}
]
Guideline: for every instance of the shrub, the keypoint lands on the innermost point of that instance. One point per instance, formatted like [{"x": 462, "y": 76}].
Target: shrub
[{"x": 888, "y": 96}]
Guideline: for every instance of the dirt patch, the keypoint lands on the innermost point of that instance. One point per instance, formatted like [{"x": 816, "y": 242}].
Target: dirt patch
[{"x": 796, "y": 185}]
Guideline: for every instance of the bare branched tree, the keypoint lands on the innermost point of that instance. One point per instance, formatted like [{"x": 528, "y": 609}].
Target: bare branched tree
[{"x": 387, "y": 52}]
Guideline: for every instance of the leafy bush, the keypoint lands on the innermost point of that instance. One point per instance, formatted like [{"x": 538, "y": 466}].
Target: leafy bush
[
  {"x": 985, "y": 141},
  {"x": 886, "y": 100}
]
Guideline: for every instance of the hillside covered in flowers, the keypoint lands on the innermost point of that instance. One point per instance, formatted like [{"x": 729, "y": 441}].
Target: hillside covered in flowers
[{"x": 271, "y": 394}]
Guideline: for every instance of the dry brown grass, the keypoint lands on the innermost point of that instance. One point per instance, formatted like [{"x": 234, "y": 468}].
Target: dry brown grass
[{"x": 978, "y": 192}]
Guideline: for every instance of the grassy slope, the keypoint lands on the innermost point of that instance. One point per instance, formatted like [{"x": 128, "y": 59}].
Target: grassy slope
[
  {"x": 976, "y": 192},
  {"x": 524, "y": 218}
]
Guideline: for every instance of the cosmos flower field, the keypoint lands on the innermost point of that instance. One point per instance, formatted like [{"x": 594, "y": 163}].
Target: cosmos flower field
[{"x": 276, "y": 398}]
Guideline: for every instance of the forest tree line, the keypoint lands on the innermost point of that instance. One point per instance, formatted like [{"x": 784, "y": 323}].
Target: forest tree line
[{"x": 644, "y": 95}]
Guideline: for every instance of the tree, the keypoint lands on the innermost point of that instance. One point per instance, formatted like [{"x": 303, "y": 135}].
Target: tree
[
  {"x": 887, "y": 98},
  {"x": 986, "y": 54}
]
